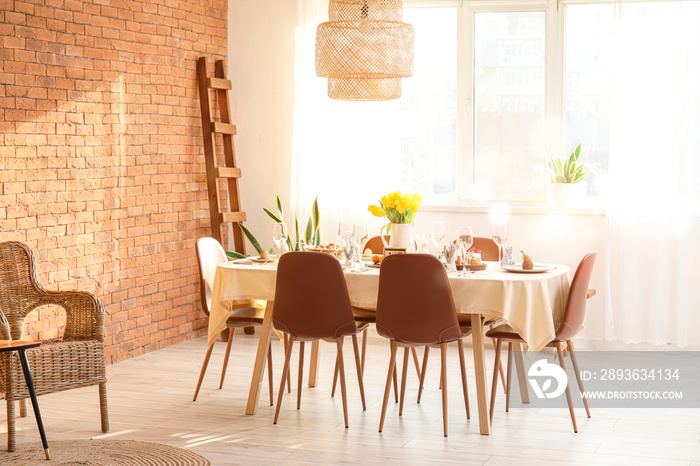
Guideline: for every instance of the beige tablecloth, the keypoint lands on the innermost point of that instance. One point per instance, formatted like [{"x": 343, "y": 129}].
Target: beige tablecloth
[{"x": 531, "y": 303}]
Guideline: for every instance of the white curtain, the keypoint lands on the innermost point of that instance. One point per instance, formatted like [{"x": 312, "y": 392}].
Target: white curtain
[{"x": 654, "y": 175}]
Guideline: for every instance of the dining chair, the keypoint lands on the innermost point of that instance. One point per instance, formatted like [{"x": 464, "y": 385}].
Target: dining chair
[
  {"x": 375, "y": 244},
  {"x": 571, "y": 324},
  {"x": 415, "y": 308},
  {"x": 210, "y": 254},
  {"x": 76, "y": 360},
  {"x": 312, "y": 303}
]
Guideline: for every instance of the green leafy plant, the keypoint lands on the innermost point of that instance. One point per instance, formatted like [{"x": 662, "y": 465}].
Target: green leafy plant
[
  {"x": 312, "y": 234},
  {"x": 568, "y": 169}
]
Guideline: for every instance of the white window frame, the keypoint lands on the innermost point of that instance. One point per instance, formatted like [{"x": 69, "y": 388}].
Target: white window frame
[{"x": 554, "y": 90}]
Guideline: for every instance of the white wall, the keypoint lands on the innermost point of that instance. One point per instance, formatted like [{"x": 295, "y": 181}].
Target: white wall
[{"x": 261, "y": 67}]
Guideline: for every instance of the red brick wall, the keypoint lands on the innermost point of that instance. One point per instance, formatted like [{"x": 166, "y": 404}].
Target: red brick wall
[{"x": 101, "y": 156}]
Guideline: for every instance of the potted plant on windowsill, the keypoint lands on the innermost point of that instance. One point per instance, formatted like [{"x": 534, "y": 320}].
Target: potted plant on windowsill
[{"x": 568, "y": 174}]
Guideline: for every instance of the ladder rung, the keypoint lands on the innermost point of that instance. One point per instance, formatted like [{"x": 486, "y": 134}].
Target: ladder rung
[
  {"x": 223, "y": 128},
  {"x": 233, "y": 216},
  {"x": 218, "y": 83},
  {"x": 229, "y": 172}
]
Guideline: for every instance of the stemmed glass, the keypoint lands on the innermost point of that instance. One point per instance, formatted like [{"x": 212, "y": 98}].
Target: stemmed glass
[
  {"x": 499, "y": 235},
  {"x": 466, "y": 239},
  {"x": 279, "y": 235},
  {"x": 345, "y": 231},
  {"x": 437, "y": 234},
  {"x": 359, "y": 235}
]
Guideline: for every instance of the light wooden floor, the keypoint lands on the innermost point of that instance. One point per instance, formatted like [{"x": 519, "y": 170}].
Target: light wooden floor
[{"x": 150, "y": 399}]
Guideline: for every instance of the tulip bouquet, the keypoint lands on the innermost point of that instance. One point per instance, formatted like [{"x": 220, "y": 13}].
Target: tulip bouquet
[{"x": 397, "y": 207}]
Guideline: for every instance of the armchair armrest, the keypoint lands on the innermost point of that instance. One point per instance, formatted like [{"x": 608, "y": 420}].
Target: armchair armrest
[{"x": 85, "y": 314}]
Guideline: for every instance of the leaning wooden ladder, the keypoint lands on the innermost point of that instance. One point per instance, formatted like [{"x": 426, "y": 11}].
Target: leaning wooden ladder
[{"x": 229, "y": 172}]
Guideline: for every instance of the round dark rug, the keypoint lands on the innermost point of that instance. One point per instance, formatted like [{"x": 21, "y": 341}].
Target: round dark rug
[{"x": 102, "y": 453}]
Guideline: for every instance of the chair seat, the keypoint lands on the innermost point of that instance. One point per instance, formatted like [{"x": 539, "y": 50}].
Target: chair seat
[
  {"x": 364, "y": 315},
  {"x": 246, "y": 315},
  {"x": 504, "y": 332}
]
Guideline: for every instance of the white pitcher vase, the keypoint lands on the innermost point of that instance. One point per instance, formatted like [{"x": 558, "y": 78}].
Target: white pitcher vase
[{"x": 401, "y": 236}]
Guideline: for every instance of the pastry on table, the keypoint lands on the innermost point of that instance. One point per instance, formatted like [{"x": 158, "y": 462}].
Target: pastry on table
[{"x": 527, "y": 261}]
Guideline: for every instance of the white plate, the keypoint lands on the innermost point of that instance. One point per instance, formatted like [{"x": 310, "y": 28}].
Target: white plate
[
  {"x": 538, "y": 268},
  {"x": 269, "y": 258}
]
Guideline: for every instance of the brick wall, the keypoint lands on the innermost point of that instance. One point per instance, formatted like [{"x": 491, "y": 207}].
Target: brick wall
[{"x": 101, "y": 157}]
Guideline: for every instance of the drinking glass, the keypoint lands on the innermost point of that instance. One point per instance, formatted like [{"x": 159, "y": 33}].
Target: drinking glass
[
  {"x": 437, "y": 234},
  {"x": 359, "y": 235},
  {"x": 466, "y": 239},
  {"x": 499, "y": 235},
  {"x": 345, "y": 232},
  {"x": 279, "y": 235}
]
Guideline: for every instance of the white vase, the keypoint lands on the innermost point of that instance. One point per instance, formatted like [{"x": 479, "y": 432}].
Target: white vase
[
  {"x": 401, "y": 236},
  {"x": 568, "y": 194}
]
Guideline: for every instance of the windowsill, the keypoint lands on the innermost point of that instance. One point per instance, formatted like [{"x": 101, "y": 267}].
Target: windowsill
[{"x": 586, "y": 207}]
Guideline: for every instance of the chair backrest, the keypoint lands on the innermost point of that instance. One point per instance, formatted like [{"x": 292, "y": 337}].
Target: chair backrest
[
  {"x": 488, "y": 248},
  {"x": 415, "y": 303},
  {"x": 210, "y": 253},
  {"x": 20, "y": 291},
  {"x": 575, "y": 309},
  {"x": 311, "y": 297},
  {"x": 375, "y": 244}
]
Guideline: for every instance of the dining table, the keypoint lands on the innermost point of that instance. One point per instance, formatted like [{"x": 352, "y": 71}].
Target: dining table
[{"x": 531, "y": 303}]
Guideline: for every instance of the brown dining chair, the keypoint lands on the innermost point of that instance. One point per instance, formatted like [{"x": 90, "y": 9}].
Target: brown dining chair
[
  {"x": 210, "y": 254},
  {"x": 375, "y": 244},
  {"x": 312, "y": 303},
  {"x": 415, "y": 308},
  {"x": 570, "y": 326},
  {"x": 76, "y": 360}
]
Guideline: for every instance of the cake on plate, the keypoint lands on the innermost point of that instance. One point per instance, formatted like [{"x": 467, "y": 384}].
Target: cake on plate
[{"x": 473, "y": 257}]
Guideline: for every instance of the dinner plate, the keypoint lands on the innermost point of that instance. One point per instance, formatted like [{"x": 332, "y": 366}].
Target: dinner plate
[
  {"x": 474, "y": 266},
  {"x": 537, "y": 268},
  {"x": 269, "y": 258}
]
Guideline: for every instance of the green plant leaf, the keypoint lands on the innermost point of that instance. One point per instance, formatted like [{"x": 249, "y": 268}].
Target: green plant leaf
[
  {"x": 577, "y": 152},
  {"x": 309, "y": 233},
  {"x": 296, "y": 228},
  {"x": 279, "y": 207},
  {"x": 251, "y": 238},
  {"x": 317, "y": 238},
  {"x": 272, "y": 216},
  {"x": 316, "y": 216},
  {"x": 235, "y": 255}
]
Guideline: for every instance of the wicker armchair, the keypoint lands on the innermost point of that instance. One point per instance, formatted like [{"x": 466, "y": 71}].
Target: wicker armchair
[{"x": 77, "y": 360}]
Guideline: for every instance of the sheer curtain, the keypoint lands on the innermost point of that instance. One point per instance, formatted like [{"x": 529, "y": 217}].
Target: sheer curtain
[{"x": 654, "y": 175}]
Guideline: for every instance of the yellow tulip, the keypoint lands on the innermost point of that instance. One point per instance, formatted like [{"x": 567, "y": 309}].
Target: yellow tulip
[
  {"x": 401, "y": 205},
  {"x": 386, "y": 202},
  {"x": 413, "y": 206},
  {"x": 377, "y": 211},
  {"x": 417, "y": 198}
]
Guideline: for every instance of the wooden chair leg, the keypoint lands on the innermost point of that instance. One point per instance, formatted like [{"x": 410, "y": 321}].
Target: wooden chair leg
[
  {"x": 335, "y": 378},
  {"x": 500, "y": 367},
  {"x": 426, "y": 351},
  {"x": 341, "y": 369},
  {"x": 358, "y": 367},
  {"x": 560, "y": 352},
  {"x": 202, "y": 372},
  {"x": 387, "y": 388},
  {"x": 269, "y": 374},
  {"x": 414, "y": 353},
  {"x": 300, "y": 380},
  {"x": 289, "y": 378},
  {"x": 285, "y": 376},
  {"x": 499, "y": 342},
  {"x": 228, "y": 353},
  {"x": 570, "y": 344},
  {"x": 462, "y": 366},
  {"x": 404, "y": 373},
  {"x": 104, "y": 412},
  {"x": 23, "y": 407},
  {"x": 443, "y": 370},
  {"x": 11, "y": 438},
  {"x": 509, "y": 374},
  {"x": 364, "y": 350}
]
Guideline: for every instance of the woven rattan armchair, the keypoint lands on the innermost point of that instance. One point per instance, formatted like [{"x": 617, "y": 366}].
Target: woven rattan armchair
[{"x": 77, "y": 360}]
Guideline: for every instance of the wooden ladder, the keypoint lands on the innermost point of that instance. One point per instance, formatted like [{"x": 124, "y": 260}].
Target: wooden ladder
[{"x": 229, "y": 172}]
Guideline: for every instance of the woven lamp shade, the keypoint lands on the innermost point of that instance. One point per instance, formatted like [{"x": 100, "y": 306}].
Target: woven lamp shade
[{"x": 364, "y": 50}]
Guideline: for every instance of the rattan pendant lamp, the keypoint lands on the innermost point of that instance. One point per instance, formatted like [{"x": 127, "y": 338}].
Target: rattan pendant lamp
[{"x": 364, "y": 49}]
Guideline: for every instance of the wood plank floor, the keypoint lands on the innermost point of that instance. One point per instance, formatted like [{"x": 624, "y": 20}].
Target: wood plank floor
[{"x": 150, "y": 399}]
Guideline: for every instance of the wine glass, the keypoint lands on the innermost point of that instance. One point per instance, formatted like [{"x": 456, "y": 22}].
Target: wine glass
[
  {"x": 437, "y": 234},
  {"x": 345, "y": 231},
  {"x": 279, "y": 235},
  {"x": 499, "y": 235},
  {"x": 359, "y": 234}
]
